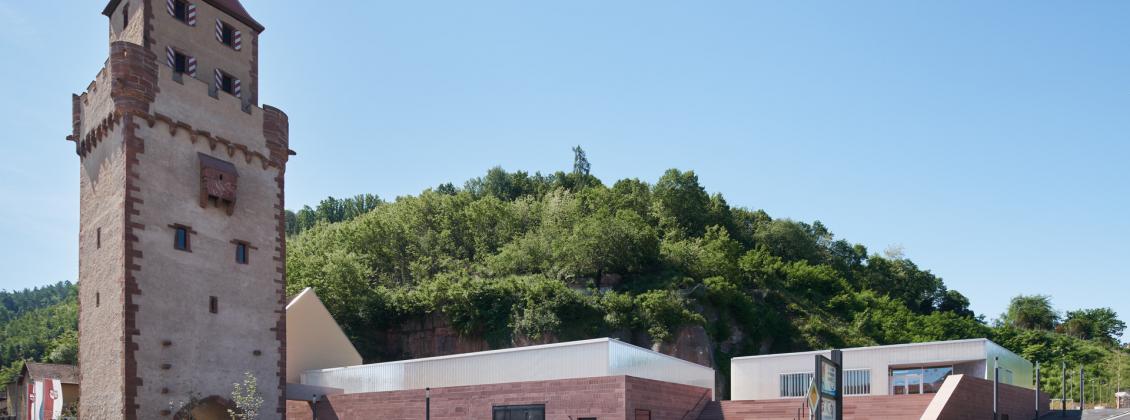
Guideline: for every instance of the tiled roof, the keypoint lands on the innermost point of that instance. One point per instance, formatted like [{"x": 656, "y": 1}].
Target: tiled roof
[{"x": 67, "y": 374}]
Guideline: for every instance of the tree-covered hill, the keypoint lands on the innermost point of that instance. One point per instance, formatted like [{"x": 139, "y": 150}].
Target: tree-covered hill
[
  {"x": 517, "y": 258},
  {"x": 37, "y": 324}
]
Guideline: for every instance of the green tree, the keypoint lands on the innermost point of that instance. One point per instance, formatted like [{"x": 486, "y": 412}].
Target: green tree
[
  {"x": 681, "y": 205},
  {"x": 1033, "y": 312},
  {"x": 1094, "y": 324},
  {"x": 247, "y": 398}
]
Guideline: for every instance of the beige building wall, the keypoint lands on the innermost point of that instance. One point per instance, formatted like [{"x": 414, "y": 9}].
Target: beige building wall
[
  {"x": 101, "y": 273},
  {"x": 200, "y": 41},
  {"x": 758, "y": 377},
  {"x": 313, "y": 339}
]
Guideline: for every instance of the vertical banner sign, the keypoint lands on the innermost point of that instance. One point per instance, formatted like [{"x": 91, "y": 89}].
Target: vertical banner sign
[
  {"x": 30, "y": 403},
  {"x": 827, "y": 379},
  {"x": 45, "y": 400}
]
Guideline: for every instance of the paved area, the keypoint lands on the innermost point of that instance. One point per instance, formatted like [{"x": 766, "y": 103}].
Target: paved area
[{"x": 1123, "y": 414}]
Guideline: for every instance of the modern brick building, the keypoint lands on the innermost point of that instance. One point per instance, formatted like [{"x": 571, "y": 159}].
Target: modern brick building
[{"x": 181, "y": 243}]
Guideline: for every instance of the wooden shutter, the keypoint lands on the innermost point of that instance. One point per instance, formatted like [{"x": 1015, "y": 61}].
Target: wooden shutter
[
  {"x": 190, "y": 14},
  {"x": 237, "y": 39},
  {"x": 171, "y": 8},
  {"x": 172, "y": 57},
  {"x": 190, "y": 66},
  {"x": 219, "y": 31}
]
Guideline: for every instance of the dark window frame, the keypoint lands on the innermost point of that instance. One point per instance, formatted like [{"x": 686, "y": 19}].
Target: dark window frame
[
  {"x": 213, "y": 304},
  {"x": 227, "y": 34},
  {"x": 180, "y": 10},
  {"x": 510, "y": 412},
  {"x": 180, "y": 62},
  {"x": 227, "y": 82},
  {"x": 125, "y": 16},
  {"x": 246, "y": 249},
  {"x": 187, "y": 236}
]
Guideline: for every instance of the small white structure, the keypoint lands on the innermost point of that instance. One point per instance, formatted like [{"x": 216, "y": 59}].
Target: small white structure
[
  {"x": 1122, "y": 400},
  {"x": 576, "y": 359},
  {"x": 918, "y": 368},
  {"x": 313, "y": 341}
]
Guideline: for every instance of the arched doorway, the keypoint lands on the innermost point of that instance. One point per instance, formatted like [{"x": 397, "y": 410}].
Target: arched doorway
[{"x": 211, "y": 408}]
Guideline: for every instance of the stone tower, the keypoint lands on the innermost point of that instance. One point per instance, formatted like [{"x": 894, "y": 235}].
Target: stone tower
[{"x": 181, "y": 245}]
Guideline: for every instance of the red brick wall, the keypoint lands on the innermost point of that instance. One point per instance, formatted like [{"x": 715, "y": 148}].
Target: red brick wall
[
  {"x": 605, "y": 398},
  {"x": 877, "y": 407},
  {"x": 973, "y": 399},
  {"x": 602, "y": 398},
  {"x": 665, "y": 400}
]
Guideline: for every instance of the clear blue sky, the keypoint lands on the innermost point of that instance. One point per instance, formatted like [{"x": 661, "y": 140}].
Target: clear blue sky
[{"x": 988, "y": 138}]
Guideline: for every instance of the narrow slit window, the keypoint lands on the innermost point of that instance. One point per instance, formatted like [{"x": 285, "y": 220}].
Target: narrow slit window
[
  {"x": 125, "y": 16},
  {"x": 214, "y": 305},
  {"x": 97, "y": 299},
  {"x": 241, "y": 253},
  {"x": 98, "y": 238},
  {"x": 181, "y": 238}
]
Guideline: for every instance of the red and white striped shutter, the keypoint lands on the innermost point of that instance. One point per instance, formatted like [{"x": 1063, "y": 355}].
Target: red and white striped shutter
[
  {"x": 237, "y": 40},
  {"x": 219, "y": 80},
  {"x": 190, "y": 14},
  {"x": 191, "y": 66},
  {"x": 169, "y": 6},
  {"x": 236, "y": 90},
  {"x": 219, "y": 31},
  {"x": 172, "y": 56}
]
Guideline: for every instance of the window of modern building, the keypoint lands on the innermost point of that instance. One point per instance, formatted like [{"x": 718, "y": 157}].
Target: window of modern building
[
  {"x": 180, "y": 10},
  {"x": 857, "y": 381},
  {"x": 181, "y": 238},
  {"x": 795, "y": 384},
  {"x": 519, "y": 412},
  {"x": 241, "y": 252},
  {"x": 643, "y": 414},
  {"x": 922, "y": 380},
  {"x": 1006, "y": 376},
  {"x": 213, "y": 304}
]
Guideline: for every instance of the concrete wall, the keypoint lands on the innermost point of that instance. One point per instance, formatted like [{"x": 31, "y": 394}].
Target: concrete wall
[
  {"x": 313, "y": 338},
  {"x": 576, "y": 359},
  {"x": 758, "y": 377},
  {"x": 605, "y": 398}
]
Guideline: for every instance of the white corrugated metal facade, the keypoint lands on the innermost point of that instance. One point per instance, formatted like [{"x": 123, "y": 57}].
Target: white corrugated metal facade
[
  {"x": 577, "y": 359},
  {"x": 762, "y": 377}
]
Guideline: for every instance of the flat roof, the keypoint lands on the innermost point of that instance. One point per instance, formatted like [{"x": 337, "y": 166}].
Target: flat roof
[
  {"x": 518, "y": 349},
  {"x": 855, "y": 349}
]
